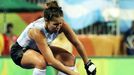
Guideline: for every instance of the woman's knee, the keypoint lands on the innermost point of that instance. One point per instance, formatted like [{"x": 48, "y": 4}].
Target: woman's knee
[{"x": 67, "y": 59}]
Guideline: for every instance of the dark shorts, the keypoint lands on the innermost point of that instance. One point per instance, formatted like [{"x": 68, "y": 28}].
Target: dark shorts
[{"x": 17, "y": 53}]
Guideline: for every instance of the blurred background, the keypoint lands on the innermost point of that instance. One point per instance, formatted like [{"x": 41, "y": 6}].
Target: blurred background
[{"x": 105, "y": 28}]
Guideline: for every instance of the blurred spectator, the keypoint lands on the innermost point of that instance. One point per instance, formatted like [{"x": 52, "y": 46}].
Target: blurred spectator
[
  {"x": 9, "y": 39},
  {"x": 127, "y": 44},
  {"x": 9, "y": 29},
  {"x": 9, "y": 32}
]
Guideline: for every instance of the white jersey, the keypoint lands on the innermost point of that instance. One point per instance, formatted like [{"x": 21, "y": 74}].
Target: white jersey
[{"x": 25, "y": 41}]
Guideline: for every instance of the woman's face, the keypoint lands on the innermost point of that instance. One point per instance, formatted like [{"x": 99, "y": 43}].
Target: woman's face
[{"x": 54, "y": 25}]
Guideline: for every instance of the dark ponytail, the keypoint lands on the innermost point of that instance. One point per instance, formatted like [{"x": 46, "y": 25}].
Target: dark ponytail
[{"x": 52, "y": 4}]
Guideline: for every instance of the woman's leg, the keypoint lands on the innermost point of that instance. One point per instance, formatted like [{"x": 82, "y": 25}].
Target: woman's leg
[
  {"x": 33, "y": 59},
  {"x": 65, "y": 57}
]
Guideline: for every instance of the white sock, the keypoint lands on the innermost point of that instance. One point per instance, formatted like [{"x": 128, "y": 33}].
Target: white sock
[
  {"x": 37, "y": 71},
  {"x": 73, "y": 68}
]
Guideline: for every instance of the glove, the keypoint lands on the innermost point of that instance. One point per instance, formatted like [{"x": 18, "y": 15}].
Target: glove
[{"x": 90, "y": 68}]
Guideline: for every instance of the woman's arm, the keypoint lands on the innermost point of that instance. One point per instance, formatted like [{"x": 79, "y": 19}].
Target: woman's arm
[
  {"x": 40, "y": 40},
  {"x": 75, "y": 41},
  {"x": 89, "y": 66}
]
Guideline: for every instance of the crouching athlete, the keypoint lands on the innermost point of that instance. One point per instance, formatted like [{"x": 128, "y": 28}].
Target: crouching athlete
[{"x": 33, "y": 47}]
